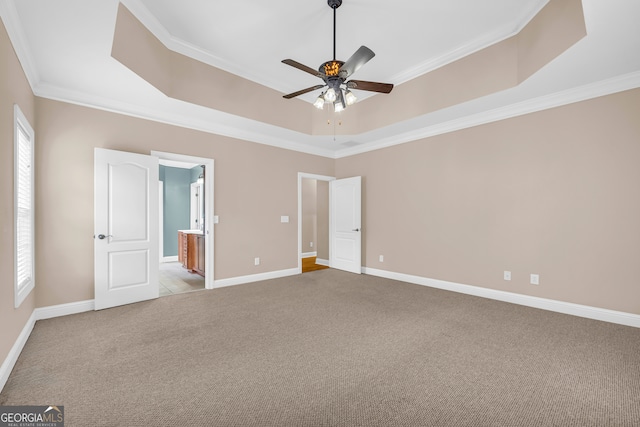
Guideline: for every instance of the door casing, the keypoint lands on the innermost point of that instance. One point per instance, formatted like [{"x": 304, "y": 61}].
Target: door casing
[
  {"x": 301, "y": 176},
  {"x": 209, "y": 281}
]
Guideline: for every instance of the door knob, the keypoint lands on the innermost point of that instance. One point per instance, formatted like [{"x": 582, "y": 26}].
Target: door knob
[
  {"x": 356, "y": 229},
  {"x": 102, "y": 236}
]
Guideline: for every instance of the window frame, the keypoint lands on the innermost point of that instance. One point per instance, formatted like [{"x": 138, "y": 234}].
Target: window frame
[{"x": 22, "y": 125}]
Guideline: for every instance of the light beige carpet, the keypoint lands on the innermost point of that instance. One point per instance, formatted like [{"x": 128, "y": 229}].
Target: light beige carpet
[{"x": 330, "y": 348}]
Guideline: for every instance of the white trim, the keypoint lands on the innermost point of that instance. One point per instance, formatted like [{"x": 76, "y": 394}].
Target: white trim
[
  {"x": 480, "y": 43},
  {"x": 546, "y": 102},
  {"x": 169, "y": 259},
  {"x": 151, "y": 23},
  {"x": 218, "y": 123},
  {"x": 219, "y": 126},
  {"x": 14, "y": 353},
  {"x": 38, "y": 314},
  {"x": 309, "y": 254},
  {"x": 64, "y": 309},
  {"x": 22, "y": 126},
  {"x": 239, "y": 280},
  {"x": 161, "y": 219},
  {"x": 320, "y": 261},
  {"x": 317, "y": 177},
  {"x": 588, "y": 312},
  {"x": 12, "y": 24}
]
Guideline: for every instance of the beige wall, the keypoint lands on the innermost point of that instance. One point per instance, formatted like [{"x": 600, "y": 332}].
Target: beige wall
[
  {"x": 14, "y": 89},
  {"x": 254, "y": 185},
  {"x": 309, "y": 215},
  {"x": 553, "y": 193}
]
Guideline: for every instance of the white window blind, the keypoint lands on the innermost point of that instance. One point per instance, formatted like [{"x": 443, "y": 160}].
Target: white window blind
[{"x": 24, "y": 213}]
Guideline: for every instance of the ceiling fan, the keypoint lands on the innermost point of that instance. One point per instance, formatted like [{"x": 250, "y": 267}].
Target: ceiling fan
[{"x": 334, "y": 73}]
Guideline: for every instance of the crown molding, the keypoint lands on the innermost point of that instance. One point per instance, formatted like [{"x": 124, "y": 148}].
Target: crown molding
[
  {"x": 476, "y": 45},
  {"x": 11, "y": 21},
  {"x": 291, "y": 141},
  {"x": 142, "y": 13},
  {"x": 582, "y": 93},
  {"x": 216, "y": 126},
  {"x": 148, "y": 19},
  {"x": 570, "y": 96}
]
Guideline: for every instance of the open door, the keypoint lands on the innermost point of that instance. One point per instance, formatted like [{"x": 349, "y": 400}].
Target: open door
[
  {"x": 345, "y": 233},
  {"x": 125, "y": 226}
]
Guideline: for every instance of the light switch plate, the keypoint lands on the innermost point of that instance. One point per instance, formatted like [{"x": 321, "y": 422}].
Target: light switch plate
[
  {"x": 216, "y": 219},
  {"x": 284, "y": 218}
]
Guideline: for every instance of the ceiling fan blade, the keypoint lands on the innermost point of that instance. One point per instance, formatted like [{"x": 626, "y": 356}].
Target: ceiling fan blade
[
  {"x": 357, "y": 60},
  {"x": 303, "y": 91},
  {"x": 370, "y": 86},
  {"x": 299, "y": 66}
]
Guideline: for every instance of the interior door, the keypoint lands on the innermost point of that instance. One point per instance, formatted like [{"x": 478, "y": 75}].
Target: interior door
[
  {"x": 126, "y": 259},
  {"x": 346, "y": 236}
]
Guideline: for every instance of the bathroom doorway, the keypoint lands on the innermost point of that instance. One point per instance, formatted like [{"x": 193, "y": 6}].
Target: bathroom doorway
[{"x": 186, "y": 212}]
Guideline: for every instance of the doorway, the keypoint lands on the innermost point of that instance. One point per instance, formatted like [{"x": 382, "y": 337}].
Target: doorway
[
  {"x": 344, "y": 222},
  {"x": 186, "y": 209},
  {"x": 313, "y": 226}
]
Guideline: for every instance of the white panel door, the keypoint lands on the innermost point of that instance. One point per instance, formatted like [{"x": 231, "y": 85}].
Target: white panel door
[
  {"x": 126, "y": 258},
  {"x": 346, "y": 237}
]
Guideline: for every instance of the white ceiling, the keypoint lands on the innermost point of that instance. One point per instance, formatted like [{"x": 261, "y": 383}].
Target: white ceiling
[{"x": 65, "y": 45}]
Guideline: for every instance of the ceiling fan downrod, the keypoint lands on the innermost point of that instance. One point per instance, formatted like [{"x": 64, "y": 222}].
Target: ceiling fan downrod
[{"x": 334, "y": 4}]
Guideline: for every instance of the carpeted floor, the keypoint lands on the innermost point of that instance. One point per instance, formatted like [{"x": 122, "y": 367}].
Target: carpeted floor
[{"x": 330, "y": 348}]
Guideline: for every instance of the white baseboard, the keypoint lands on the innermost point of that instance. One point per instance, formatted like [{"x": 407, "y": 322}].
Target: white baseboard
[
  {"x": 170, "y": 259},
  {"x": 309, "y": 254},
  {"x": 255, "y": 277},
  {"x": 38, "y": 314},
  {"x": 322, "y": 262},
  {"x": 64, "y": 309},
  {"x": 14, "y": 353},
  {"x": 588, "y": 312}
]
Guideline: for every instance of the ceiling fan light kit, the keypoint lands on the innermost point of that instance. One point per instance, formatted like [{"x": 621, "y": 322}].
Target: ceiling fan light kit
[{"x": 334, "y": 73}]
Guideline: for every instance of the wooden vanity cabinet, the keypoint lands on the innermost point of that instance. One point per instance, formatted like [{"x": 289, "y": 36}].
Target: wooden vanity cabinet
[
  {"x": 198, "y": 264},
  {"x": 191, "y": 251}
]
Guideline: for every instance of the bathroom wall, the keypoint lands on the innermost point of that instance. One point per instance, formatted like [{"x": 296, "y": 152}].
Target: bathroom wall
[{"x": 177, "y": 187}]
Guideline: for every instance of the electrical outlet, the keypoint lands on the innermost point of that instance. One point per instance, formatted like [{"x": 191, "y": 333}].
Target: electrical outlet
[
  {"x": 507, "y": 275},
  {"x": 535, "y": 279},
  {"x": 381, "y": 258},
  {"x": 256, "y": 261},
  {"x": 311, "y": 244}
]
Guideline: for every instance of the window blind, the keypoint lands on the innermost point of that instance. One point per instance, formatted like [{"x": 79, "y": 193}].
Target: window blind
[{"x": 24, "y": 210}]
